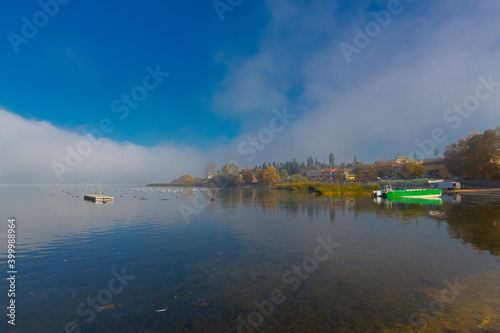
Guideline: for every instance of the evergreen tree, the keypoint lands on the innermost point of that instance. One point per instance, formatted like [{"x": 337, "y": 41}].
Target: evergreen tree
[
  {"x": 295, "y": 167},
  {"x": 310, "y": 162},
  {"x": 331, "y": 159}
]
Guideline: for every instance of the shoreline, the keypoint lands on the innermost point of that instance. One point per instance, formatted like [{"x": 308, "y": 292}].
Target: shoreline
[
  {"x": 484, "y": 191},
  {"x": 348, "y": 189}
]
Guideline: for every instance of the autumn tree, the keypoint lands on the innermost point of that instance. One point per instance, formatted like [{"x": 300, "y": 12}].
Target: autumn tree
[
  {"x": 410, "y": 169},
  {"x": 229, "y": 176},
  {"x": 211, "y": 168},
  {"x": 247, "y": 176},
  {"x": 270, "y": 176},
  {"x": 491, "y": 162},
  {"x": 185, "y": 179},
  {"x": 476, "y": 157},
  {"x": 406, "y": 169},
  {"x": 283, "y": 175},
  {"x": 373, "y": 174},
  {"x": 419, "y": 170},
  {"x": 339, "y": 177},
  {"x": 359, "y": 169},
  {"x": 455, "y": 156},
  {"x": 298, "y": 178}
]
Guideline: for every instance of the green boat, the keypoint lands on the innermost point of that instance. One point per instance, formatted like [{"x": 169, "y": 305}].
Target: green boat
[{"x": 389, "y": 193}]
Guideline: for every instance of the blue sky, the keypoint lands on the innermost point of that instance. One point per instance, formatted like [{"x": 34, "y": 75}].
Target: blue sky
[
  {"x": 226, "y": 77},
  {"x": 91, "y": 52}
]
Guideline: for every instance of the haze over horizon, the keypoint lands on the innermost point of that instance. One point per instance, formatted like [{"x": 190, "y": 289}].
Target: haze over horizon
[{"x": 166, "y": 88}]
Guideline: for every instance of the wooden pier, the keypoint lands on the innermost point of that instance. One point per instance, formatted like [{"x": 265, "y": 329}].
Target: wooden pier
[{"x": 97, "y": 198}]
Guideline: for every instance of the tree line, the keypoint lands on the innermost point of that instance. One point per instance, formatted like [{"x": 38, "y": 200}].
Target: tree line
[
  {"x": 295, "y": 172},
  {"x": 476, "y": 156}
]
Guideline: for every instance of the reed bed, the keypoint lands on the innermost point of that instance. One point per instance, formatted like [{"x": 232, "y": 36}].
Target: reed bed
[{"x": 330, "y": 189}]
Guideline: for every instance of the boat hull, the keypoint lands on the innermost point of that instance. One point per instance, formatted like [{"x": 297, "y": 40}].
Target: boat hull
[
  {"x": 431, "y": 201},
  {"x": 420, "y": 193}
]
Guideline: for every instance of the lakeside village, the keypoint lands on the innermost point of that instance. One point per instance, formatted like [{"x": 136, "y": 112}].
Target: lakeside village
[{"x": 476, "y": 157}]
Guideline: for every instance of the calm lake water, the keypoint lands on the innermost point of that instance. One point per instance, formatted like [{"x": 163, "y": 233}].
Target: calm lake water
[{"x": 173, "y": 260}]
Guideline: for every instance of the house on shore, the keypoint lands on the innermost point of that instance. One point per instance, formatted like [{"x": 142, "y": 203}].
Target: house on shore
[
  {"x": 435, "y": 168},
  {"x": 329, "y": 173},
  {"x": 315, "y": 175},
  {"x": 388, "y": 168}
]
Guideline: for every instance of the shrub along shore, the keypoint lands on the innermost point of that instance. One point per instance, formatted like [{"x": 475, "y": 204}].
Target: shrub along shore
[
  {"x": 317, "y": 187},
  {"x": 330, "y": 189}
]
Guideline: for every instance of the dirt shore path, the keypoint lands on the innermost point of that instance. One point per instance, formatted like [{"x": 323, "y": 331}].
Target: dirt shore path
[{"x": 480, "y": 191}]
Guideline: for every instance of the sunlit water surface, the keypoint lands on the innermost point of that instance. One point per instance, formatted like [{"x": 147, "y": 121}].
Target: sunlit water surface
[{"x": 249, "y": 260}]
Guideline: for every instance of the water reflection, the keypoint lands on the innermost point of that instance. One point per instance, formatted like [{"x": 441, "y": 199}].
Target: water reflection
[
  {"x": 474, "y": 221},
  {"x": 477, "y": 224},
  {"x": 393, "y": 258}
]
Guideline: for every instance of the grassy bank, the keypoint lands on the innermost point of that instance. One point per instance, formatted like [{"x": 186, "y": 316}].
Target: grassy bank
[{"x": 330, "y": 189}]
